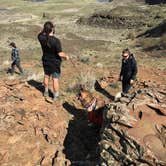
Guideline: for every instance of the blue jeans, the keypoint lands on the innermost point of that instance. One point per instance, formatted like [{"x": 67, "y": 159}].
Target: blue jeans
[{"x": 18, "y": 65}]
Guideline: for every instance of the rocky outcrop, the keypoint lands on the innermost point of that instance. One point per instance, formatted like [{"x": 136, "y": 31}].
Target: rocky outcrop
[
  {"x": 121, "y": 17},
  {"x": 31, "y": 131},
  {"x": 134, "y": 132},
  {"x": 157, "y": 31}
]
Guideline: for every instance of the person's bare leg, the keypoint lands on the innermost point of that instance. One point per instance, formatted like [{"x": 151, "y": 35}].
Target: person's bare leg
[
  {"x": 46, "y": 84},
  {"x": 55, "y": 87}
]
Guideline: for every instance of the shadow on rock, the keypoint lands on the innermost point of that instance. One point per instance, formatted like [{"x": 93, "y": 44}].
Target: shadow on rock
[
  {"x": 103, "y": 91},
  {"x": 37, "y": 85},
  {"x": 9, "y": 71},
  {"x": 81, "y": 142}
]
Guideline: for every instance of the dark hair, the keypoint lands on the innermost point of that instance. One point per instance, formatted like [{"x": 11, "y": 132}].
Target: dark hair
[
  {"x": 13, "y": 44},
  {"x": 47, "y": 29},
  {"x": 126, "y": 50}
]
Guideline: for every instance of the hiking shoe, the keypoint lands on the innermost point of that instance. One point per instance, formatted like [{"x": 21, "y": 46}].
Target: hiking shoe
[
  {"x": 55, "y": 98},
  {"x": 126, "y": 95},
  {"x": 45, "y": 94},
  {"x": 49, "y": 100}
]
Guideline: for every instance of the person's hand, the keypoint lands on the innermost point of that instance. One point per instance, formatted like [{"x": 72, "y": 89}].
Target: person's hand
[
  {"x": 120, "y": 78},
  {"x": 67, "y": 57},
  {"x": 131, "y": 82}
]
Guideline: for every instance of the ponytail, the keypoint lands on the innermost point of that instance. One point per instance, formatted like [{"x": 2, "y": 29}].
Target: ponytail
[{"x": 47, "y": 29}]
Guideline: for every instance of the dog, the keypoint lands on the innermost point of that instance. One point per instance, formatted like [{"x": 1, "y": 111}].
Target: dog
[{"x": 94, "y": 106}]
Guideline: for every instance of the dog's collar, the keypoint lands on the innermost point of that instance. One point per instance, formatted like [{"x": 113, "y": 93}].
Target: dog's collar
[{"x": 92, "y": 105}]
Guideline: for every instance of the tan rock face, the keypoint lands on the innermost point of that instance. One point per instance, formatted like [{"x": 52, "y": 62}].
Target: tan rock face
[{"x": 31, "y": 131}]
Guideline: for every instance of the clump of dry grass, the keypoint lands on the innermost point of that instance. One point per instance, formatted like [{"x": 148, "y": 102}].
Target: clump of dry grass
[
  {"x": 131, "y": 36},
  {"x": 146, "y": 43},
  {"x": 149, "y": 44},
  {"x": 73, "y": 87},
  {"x": 84, "y": 59},
  {"x": 87, "y": 79},
  {"x": 30, "y": 75}
]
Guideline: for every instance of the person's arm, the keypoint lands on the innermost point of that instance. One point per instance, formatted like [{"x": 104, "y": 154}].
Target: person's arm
[
  {"x": 63, "y": 55},
  {"x": 121, "y": 73},
  {"x": 134, "y": 69},
  {"x": 59, "y": 50}
]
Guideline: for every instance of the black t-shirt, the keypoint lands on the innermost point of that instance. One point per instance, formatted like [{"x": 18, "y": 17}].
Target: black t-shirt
[{"x": 51, "y": 46}]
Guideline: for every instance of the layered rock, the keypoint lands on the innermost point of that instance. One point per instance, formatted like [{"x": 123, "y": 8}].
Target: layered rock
[
  {"x": 31, "y": 131},
  {"x": 134, "y": 132}
]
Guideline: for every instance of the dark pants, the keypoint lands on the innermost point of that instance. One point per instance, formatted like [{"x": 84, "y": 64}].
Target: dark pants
[
  {"x": 18, "y": 65},
  {"x": 126, "y": 86}
]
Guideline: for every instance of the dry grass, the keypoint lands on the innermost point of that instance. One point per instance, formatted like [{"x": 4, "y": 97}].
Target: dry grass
[
  {"x": 86, "y": 78},
  {"x": 163, "y": 41},
  {"x": 98, "y": 47}
]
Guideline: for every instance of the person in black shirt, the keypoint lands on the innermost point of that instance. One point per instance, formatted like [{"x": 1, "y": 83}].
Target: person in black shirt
[
  {"x": 15, "y": 57},
  {"x": 128, "y": 71},
  {"x": 52, "y": 57}
]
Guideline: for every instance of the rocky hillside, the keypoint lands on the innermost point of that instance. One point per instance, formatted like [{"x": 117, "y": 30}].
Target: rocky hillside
[
  {"x": 36, "y": 132},
  {"x": 134, "y": 132},
  {"x": 32, "y": 131}
]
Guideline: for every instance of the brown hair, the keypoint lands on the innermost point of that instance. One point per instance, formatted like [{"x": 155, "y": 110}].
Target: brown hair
[
  {"x": 126, "y": 50},
  {"x": 13, "y": 44},
  {"x": 47, "y": 29}
]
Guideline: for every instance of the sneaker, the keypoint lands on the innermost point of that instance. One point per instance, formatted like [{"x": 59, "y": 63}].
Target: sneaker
[
  {"x": 55, "y": 98},
  {"x": 45, "y": 94},
  {"x": 126, "y": 95}
]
